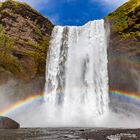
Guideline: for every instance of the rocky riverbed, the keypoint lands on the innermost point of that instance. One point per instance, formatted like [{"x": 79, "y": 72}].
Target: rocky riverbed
[{"x": 70, "y": 133}]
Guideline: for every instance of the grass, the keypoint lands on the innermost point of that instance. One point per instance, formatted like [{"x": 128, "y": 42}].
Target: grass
[{"x": 124, "y": 19}]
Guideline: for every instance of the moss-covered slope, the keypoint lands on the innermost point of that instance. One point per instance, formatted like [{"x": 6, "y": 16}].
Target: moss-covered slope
[
  {"x": 125, "y": 28},
  {"x": 24, "y": 37}
]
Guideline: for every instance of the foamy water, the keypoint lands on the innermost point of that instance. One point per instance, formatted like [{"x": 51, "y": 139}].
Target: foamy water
[{"x": 76, "y": 76}]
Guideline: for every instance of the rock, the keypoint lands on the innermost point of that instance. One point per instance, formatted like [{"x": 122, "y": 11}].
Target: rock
[
  {"x": 124, "y": 25},
  {"x": 124, "y": 50},
  {"x": 24, "y": 39},
  {"x": 7, "y": 123}
]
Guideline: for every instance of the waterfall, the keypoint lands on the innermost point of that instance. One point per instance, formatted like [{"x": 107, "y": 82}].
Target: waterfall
[{"x": 76, "y": 90}]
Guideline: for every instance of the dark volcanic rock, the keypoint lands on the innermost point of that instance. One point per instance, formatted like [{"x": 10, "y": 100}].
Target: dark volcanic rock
[{"x": 7, "y": 123}]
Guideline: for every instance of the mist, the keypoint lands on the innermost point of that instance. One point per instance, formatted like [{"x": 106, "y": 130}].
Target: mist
[
  {"x": 111, "y": 111},
  {"x": 41, "y": 114}
]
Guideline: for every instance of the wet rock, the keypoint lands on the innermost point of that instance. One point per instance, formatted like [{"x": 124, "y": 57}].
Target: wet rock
[{"x": 7, "y": 123}]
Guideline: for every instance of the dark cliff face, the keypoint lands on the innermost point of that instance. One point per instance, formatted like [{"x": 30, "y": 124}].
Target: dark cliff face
[
  {"x": 24, "y": 37},
  {"x": 124, "y": 47}
]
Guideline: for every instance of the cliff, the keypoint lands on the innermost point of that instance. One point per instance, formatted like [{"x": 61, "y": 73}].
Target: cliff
[
  {"x": 124, "y": 47},
  {"x": 24, "y": 40},
  {"x": 24, "y": 37},
  {"x": 125, "y": 29}
]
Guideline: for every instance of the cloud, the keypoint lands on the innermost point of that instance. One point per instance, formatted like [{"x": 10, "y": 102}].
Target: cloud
[
  {"x": 37, "y": 3},
  {"x": 116, "y": 2},
  {"x": 42, "y": 3},
  {"x": 70, "y": 12},
  {"x": 33, "y": 2},
  {"x": 113, "y": 3}
]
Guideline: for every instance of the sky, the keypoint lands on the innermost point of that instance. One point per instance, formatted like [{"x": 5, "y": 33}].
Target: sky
[{"x": 74, "y": 12}]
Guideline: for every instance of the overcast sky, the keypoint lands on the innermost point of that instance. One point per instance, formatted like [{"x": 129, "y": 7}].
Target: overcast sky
[{"x": 74, "y": 12}]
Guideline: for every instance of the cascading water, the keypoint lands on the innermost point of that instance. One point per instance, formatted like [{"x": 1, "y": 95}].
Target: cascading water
[
  {"x": 76, "y": 93},
  {"x": 76, "y": 77}
]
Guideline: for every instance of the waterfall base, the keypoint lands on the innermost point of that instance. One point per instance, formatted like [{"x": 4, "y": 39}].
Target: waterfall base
[
  {"x": 76, "y": 92},
  {"x": 76, "y": 75}
]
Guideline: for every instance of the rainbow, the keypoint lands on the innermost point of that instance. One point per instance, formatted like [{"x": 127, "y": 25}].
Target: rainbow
[
  {"x": 21, "y": 104},
  {"x": 124, "y": 95}
]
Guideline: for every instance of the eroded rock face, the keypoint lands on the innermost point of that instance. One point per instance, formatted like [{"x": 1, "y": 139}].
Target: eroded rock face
[
  {"x": 7, "y": 123},
  {"x": 24, "y": 39},
  {"x": 124, "y": 47}
]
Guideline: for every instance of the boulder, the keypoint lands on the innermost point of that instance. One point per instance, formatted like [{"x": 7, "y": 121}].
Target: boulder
[{"x": 7, "y": 123}]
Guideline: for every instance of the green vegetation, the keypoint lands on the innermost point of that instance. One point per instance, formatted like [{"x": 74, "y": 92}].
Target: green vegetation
[
  {"x": 1, "y": 29},
  {"x": 9, "y": 14},
  {"x": 39, "y": 52},
  {"x": 23, "y": 42},
  {"x": 12, "y": 4},
  {"x": 13, "y": 64},
  {"x": 37, "y": 31},
  {"x": 7, "y": 60},
  {"x": 124, "y": 18},
  {"x": 42, "y": 58},
  {"x": 125, "y": 29}
]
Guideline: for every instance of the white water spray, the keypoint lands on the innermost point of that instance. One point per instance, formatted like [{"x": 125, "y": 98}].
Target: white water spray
[
  {"x": 76, "y": 84},
  {"x": 76, "y": 76}
]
